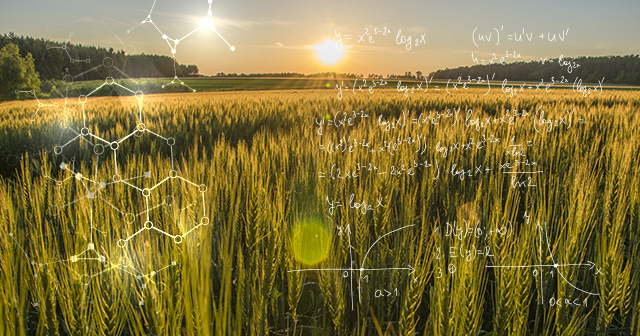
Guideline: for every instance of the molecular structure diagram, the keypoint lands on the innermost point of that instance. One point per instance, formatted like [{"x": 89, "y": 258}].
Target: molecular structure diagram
[
  {"x": 173, "y": 43},
  {"x": 40, "y": 104},
  {"x": 93, "y": 186},
  {"x": 64, "y": 47},
  {"x": 189, "y": 212},
  {"x": 101, "y": 145}
]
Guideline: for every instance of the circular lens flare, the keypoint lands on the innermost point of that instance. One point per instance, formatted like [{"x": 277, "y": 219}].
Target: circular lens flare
[{"x": 310, "y": 241}]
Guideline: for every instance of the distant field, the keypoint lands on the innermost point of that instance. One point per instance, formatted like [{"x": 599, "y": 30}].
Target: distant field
[
  {"x": 215, "y": 84},
  {"x": 267, "y": 175},
  {"x": 209, "y": 84}
]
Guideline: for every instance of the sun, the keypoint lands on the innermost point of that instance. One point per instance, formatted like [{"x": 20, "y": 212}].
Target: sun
[{"x": 327, "y": 53}]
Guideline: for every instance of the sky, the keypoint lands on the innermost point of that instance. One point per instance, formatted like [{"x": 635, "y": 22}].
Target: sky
[{"x": 302, "y": 36}]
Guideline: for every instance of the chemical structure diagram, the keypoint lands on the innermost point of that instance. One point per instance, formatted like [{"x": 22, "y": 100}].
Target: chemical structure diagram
[
  {"x": 556, "y": 268},
  {"x": 67, "y": 82},
  {"x": 173, "y": 43},
  {"x": 183, "y": 207},
  {"x": 64, "y": 47},
  {"x": 361, "y": 272},
  {"x": 40, "y": 105},
  {"x": 53, "y": 27},
  {"x": 159, "y": 202}
]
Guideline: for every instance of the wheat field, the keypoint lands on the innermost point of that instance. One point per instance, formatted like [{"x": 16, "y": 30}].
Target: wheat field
[{"x": 267, "y": 173}]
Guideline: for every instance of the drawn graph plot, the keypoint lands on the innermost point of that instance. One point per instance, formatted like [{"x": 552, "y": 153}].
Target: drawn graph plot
[
  {"x": 554, "y": 266},
  {"x": 360, "y": 273}
]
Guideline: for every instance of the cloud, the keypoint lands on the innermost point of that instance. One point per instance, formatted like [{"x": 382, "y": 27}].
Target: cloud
[
  {"x": 245, "y": 24},
  {"x": 280, "y": 45}
]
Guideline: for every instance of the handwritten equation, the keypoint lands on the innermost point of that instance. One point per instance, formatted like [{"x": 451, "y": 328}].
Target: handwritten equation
[
  {"x": 569, "y": 64},
  {"x": 517, "y": 36},
  {"x": 422, "y": 86},
  {"x": 370, "y": 37},
  {"x": 454, "y": 116}
]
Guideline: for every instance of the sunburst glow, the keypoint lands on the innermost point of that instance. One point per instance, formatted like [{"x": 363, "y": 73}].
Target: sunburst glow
[{"x": 327, "y": 53}]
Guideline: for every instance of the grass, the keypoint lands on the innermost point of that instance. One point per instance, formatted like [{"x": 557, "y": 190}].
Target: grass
[{"x": 259, "y": 155}]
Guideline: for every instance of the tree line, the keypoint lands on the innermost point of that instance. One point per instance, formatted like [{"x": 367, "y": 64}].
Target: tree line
[
  {"x": 614, "y": 69},
  {"x": 54, "y": 60}
]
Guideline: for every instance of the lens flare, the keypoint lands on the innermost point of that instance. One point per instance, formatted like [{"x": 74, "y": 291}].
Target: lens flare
[{"x": 310, "y": 241}]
